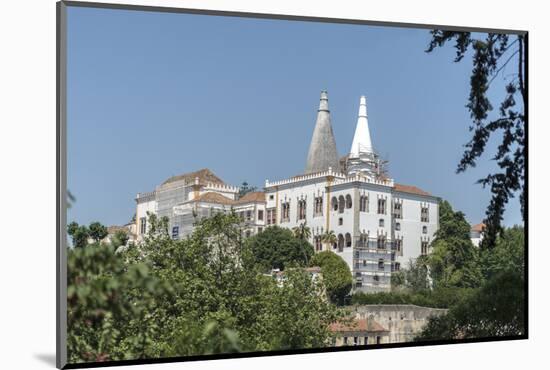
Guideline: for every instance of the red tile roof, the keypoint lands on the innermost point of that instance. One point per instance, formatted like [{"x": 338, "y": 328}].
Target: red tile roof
[
  {"x": 410, "y": 189},
  {"x": 204, "y": 175},
  {"x": 211, "y": 197},
  {"x": 479, "y": 227},
  {"x": 256, "y": 196},
  {"x": 357, "y": 325}
]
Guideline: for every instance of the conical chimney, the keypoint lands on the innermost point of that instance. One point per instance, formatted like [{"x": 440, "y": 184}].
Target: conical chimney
[
  {"x": 322, "y": 150},
  {"x": 361, "y": 140}
]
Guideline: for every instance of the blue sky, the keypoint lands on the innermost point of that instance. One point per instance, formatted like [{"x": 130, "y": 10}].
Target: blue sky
[{"x": 151, "y": 95}]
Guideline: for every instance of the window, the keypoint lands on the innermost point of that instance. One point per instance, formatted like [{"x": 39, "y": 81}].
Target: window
[
  {"x": 334, "y": 203},
  {"x": 248, "y": 215},
  {"x": 363, "y": 203},
  {"x": 302, "y": 209},
  {"x": 260, "y": 229},
  {"x": 318, "y": 209},
  {"x": 175, "y": 232},
  {"x": 398, "y": 244},
  {"x": 381, "y": 206},
  {"x": 260, "y": 215},
  {"x": 247, "y": 233},
  {"x": 397, "y": 210},
  {"x": 366, "y": 340},
  {"x": 142, "y": 225},
  {"x": 376, "y": 279},
  {"x": 348, "y": 240},
  {"x": 355, "y": 341},
  {"x": 381, "y": 222},
  {"x": 285, "y": 212},
  {"x": 378, "y": 339},
  {"x": 340, "y": 221},
  {"x": 397, "y": 226},
  {"x": 271, "y": 216},
  {"x": 348, "y": 201},
  {"x": 424, "y": 248},
  {"x": 381, "y": 242},
  {"x": 397, "y": 266},
  {"x": 271, "y": 197},
  {"x": 424, "y": 229},
  {"x": 345, "y": 341},
  {"x": 364, "y": 263},
  {"x": 341, "y": 204},
  {"x": 340, "y": 242},
  {"x": 381, "y": 264},
  {"x": 241, "y": 215},
  {"x": 318, "y": 243},
  {"x": 424, "y": 214}
]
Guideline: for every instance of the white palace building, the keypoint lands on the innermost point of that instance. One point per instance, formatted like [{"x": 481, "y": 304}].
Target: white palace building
[{"x": 379, "y": 225}]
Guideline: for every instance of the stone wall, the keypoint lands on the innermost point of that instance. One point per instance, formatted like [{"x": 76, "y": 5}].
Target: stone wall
[{"x": 404, "y": 322}]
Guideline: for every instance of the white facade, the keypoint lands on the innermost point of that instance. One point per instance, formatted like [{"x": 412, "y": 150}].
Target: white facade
[{"x": 379, "y": 225}]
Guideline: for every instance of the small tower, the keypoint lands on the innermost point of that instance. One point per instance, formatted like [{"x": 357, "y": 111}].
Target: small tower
[
  {"x": 322, "y": 150},
  {"x": 362, "y": 157}
]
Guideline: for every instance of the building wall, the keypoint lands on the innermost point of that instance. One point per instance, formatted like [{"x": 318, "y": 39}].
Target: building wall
[
  {"x": 360, "y": 338},
  {"x": 411, "y": 226},
  {"x": 404, "y": 322}
]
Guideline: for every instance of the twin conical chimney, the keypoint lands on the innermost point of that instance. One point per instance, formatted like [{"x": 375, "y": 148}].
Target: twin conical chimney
[{"x": 322, "y": 150}]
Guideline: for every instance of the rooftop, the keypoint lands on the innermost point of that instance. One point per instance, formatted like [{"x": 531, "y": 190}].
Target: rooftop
[
  {"x": 478, "y": 227},
  {"x": 410, "y": 189},
  {"x": 255, "y": 196},
  {"x": 204, "y": 175},
  {"x": 211, "y": 197}
]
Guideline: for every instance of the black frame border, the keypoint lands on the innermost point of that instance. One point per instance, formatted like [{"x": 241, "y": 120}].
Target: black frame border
[{"x": 61, "y": 191}]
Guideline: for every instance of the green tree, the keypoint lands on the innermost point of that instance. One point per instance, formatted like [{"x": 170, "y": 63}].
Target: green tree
[
  {"x": 203, "y": 294},
  {"x": 336, "y": 275},
  {"x": 79, "y": 234},
  {"x": 497, "y": 309},
  {"x": 120, "y": 238},
  {"x": 97, "y": 231},
  {"x": 491, "y": 53},
  {"x": 454, "y": 260},
  {"x": 329, "y": 238},
  {"x": 277, "y": 248},
  {"x": 302, "y": 231},
  {"x": 417, "y": 275}
]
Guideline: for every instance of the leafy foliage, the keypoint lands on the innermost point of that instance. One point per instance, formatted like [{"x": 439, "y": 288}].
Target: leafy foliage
[
  {"x": 201, "y": 295},
  {"x": 277, "y": 248},
  {"x": 97, "y": 231},
  {"x": 437, "y": 298},
  {"x": 454, "y": 261},
  {"x": 336, "y": 275},
  {"x": 497, "y": 309},
  {"x": 79, "y": 234},
  {"x": 510, "y": 157}
]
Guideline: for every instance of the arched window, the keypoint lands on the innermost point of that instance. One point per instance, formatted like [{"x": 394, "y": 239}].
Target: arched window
[
  {"x": 348, "y": 201},
  {"x": 340, "y": 243},
  {"x": 348, "y": 240},
  {"x": 381, "y": 222},
  {"x": 397, "y": 226},
  {"x": 341, "y": 204},
  {"x": 334, "y": 204},
  {"x": 424, "y": 229}
]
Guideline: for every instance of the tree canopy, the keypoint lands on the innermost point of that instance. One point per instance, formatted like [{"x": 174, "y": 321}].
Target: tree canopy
[
  {"x": 491, "y": 53},
  {"x": 277, "y": 248},
  {"x": 200, "y": 295},
  {"x": 336, "y": 275}
]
